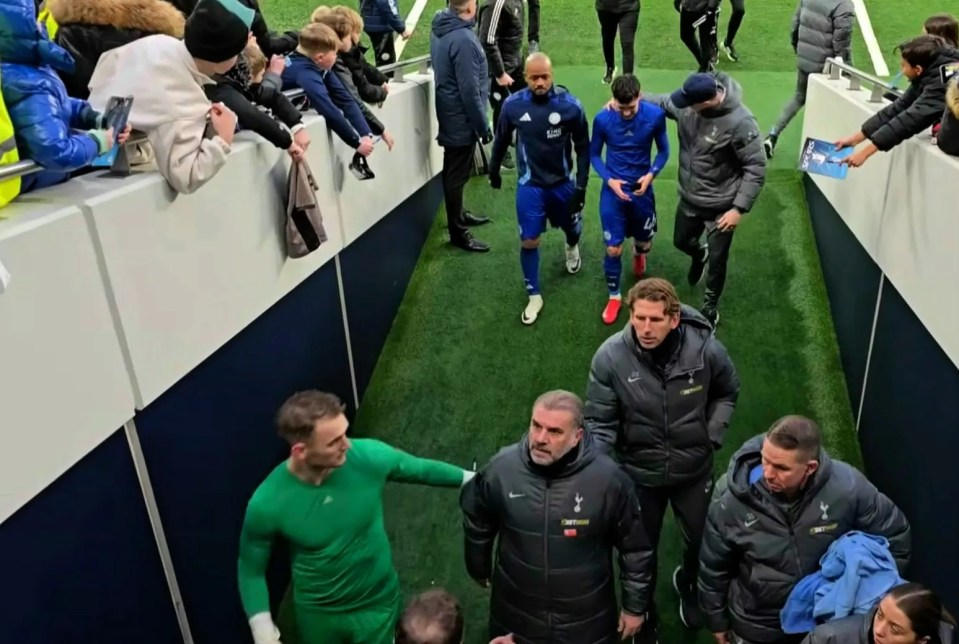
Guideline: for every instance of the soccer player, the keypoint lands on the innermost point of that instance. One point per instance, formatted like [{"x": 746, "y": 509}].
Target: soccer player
[
  {"x": 549, "y": 123},
  {"x": 627, "y": 205},
  {"x": 326, "y": 501}
]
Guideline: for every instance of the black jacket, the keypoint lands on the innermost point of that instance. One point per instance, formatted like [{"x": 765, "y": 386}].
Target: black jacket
[
  {"x": 88, "y": 28},
  {"x": 502, "y": 31},
  {"x": 858, "y": 630},
  {"x": 948, "y": 139},
  {"x": 554, "y": 530},
  {"x": 919, "y": 107},
  {"x": 346, "y": 78},
  {"x": 367, "y": 79},
  {"x": 756, "y": 547},
  {"x": 664, "y": 426}
]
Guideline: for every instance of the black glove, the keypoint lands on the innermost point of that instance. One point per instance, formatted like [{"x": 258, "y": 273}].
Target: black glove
[
  {"x": 495, "y": 180},
  {"x": 578, "y": 201},
  {"x": 487, "y": 137}
]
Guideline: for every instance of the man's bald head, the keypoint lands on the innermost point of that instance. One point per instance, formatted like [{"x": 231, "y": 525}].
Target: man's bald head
[
  {"x": 539, "y": 58},
  {"x": 539, "y": 73},
  {"x": 433, "y": 617}
]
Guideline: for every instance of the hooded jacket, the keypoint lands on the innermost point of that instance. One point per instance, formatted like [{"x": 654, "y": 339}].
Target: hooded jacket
[
  {"x": 664, "y": 426},
  {"x": 461, "y": 80},
  {"x": 553, "y": 529},
  {"x": 858, "y": 630},
  {"x": 722, "y": 164},
  {"x": 48, "y": 124},
  {"x": 87, "y": 28},
  {"x": 917, "y": 109},
  {"x": 381, "y": 16},
  {"x": 757, "y": 546},
  {"x": 502, "y": 31},
  {"x": 822, "y": 29},
  {"x": 948, "y": 139}
]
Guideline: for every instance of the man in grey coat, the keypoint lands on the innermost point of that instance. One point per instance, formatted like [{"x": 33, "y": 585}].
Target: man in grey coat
[
  {"x": 722, "y": 169},
  {"x": 821, "y": 29},
  {"x": 660, "y": 395},
  {"x": 773, "y": 516}
]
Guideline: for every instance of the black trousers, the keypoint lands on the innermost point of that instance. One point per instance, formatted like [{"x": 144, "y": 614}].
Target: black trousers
[
  {"x": 533, "y": 27},
  {"x": 384, "y": 48},
  {"x": 703, "y": 25},
  {"x": 498, "y": 94},
  {"x": 690, "y": 501},
  {"x": 626, "y": 22},
  {"x": 457, "y": 165},
  {"x": 735, "y": 20},
  {"x": 688, "y": 230}
]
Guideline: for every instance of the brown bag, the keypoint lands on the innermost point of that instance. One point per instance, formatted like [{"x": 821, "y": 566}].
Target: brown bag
[{"x": 304, "y": 221}]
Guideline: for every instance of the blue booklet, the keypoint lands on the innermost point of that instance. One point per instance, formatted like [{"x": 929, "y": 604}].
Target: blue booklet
[
  {"x": 115, "y": 116},
  {"x": 822, "y": 157}
]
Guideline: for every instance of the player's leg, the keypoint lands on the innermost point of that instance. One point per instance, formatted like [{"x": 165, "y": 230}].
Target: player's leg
[
  {"x": 643, "y": 225},
  {"x": 376, "y": 625},
  {"x": 690, "y": 502},
  {"x": 613, "y": 220},
  {"x": 653, "y": 501},
  {"x": 608, "y": 22},
  {"x": 708, "y": 30},
  {"x": 792, "y": 108},
  {"x": 735, "y": 21},
  {"x": 687, "y": 230},
  {"x": 531, "y": 215},
  {"x": 533, "y": 30},
  {"x": 687, "y": 32},
  {"x": 718, "y": 244},
  {"x": 318, "y": 627},
  {"x": 558, "y": 200},
  {"x": 628, "y": 23}
]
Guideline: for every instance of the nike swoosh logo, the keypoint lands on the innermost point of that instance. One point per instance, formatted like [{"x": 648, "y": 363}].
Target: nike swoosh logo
[
  {"x": 515, "y": 496},
  {"x": 750, "y": 524},
  {"x": 632, "y": 380}
]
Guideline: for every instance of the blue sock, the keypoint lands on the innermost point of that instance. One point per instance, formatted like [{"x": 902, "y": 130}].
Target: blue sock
[
  {"x": 613, "y": 268},
  {"x": 529, "y": 260}
]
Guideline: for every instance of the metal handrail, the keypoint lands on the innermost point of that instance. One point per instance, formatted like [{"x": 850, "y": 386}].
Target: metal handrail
[
  {"x": 837, "y": 69},
  {"x": 422, "y": 63}
]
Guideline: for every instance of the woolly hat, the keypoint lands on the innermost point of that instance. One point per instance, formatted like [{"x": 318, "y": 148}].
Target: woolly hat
[{"x": 217, "y": 30}]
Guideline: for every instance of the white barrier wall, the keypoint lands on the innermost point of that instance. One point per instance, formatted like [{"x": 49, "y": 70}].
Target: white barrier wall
[
  {"x": 888, "y": 206},
  {"x": 120, "y": 287}
]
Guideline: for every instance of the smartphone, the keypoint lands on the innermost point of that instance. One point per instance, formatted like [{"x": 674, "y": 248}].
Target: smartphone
[{"x": 947, "y": 71}]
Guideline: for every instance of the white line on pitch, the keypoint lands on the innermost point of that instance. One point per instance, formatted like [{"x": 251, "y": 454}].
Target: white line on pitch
[
  {"x": 865, "y": 26},
  {"x": 411, "y": 19}
]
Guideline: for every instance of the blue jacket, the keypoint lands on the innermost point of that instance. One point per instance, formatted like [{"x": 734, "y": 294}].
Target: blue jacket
[
  {"x": 328, "y": 97},
  {"x": 461, "y": 78},
  {"x": 855, "y": 573},
  {"x": 381, "y": 16},
  {"x": 44, "y": 118}
]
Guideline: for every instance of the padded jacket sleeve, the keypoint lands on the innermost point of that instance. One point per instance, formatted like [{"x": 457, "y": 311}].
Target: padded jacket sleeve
[
  {"x": 748, "y": 146},
  {"x": 272, "y": 98},
  {"x": 907, "y": 116},
  {"x": 843, "y": 22},
  {"x": 467, "y": 64},
  {"x": 45, "y": 138},
  {"x": 877, "y": 514},
  {"x": 488, "y": 25},
  {"x": 723, "y": 392},
  {"x": 636, "y": 558},
  {"x": 480, "y": 526},
  {"x": 602, "y": 403},
  {"x": 717, "y": 565},
  {"x": 248, "y": 116}
]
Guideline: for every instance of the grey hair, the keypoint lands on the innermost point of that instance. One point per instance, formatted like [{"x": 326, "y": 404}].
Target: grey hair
[{"x": 562, "y": 400}]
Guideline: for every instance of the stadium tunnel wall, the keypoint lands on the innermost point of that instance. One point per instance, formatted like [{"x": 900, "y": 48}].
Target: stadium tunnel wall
[
  {"x": 887, "y": 237},
  {"x": 146, "y": 341}
]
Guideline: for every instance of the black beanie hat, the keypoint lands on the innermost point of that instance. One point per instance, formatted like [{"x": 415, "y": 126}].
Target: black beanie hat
[{"x": 217, "y": 30}]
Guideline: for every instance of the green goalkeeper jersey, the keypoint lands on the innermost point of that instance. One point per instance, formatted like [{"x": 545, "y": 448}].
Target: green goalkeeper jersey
[{"x": 338, "y": 545}]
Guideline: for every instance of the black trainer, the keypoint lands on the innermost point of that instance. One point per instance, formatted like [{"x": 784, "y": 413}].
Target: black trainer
[
  {"x": 711, "y": 313},
  {"x": 689, "y": 613},
  {"x": 698, "y": 267},
  {"x": 730, "y": 52},
  {"x": 608, "y": 78},
  {"x": 769, "y": 145}
]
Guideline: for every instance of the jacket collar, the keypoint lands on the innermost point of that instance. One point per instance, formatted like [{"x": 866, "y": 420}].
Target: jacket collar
[
  {"x": 583, "y": 455},
  {"x": 695, "y": 332}
]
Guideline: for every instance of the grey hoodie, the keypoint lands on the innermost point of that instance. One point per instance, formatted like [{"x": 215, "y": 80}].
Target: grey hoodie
[{"x": 722, "y": 164}]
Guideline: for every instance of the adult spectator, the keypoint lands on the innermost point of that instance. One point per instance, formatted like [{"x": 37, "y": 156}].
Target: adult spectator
[
  {"x": 87, "y": 28},
  {"x": 460, "y": 77},
  {"x": 553, "y": 507},
  {"x": 722, "y": 169},
  {"x": 919, "y": 107},
  {"x": 433, "y": 617},
  {"x": 660, "y": 396},
  {"x": 501, "y": 32},
  {"x": 59, "y": 133},
  {"x": 622, "y": 16},
  {"x": 382, "y": 21},
  {"x": 326, "y": 501},
  {"x": 908, "y": 614},
  {"x": 371, "y": 84},
  {"x": 774, "y": 514},
  {"x": 173, "y": 113},
  {"x": 948, "y": 137},
  {"x": 269, "y": 42}
]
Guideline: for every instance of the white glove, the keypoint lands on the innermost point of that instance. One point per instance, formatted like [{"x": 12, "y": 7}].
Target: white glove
[
  {"x": 467, "y": 476},
  {"x": 264, "y": 630}
]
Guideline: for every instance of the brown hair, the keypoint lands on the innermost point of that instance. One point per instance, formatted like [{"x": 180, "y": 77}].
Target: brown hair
[
  {"x": 300, "y": 413},
  {"x": 254, "y": 58},
  {"x": 333, "y": 19},
  {"x": 922, "y": 51},
  {"x": 923, "y": 608},
  {"x": 433, "y": 617},
  {"x": 654, "y": 289},
  {"x": 796, "y": 433},
  {"x": 356, "y": 20},
  {"x": 944, "y": 26},
  {"x": 316, "y": 38}
]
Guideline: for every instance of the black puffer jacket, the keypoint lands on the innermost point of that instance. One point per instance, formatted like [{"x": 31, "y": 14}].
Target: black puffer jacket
[
  {"x": 858, "y": 630},
  {"x": 367, "y": 79},
  {"x": 919, "y": 107},
  {"x": 756, "y": 547},
  {"x": 88, "y": 28},
  {"x": 554, "y": 529},
  {"x": 664, "y": 426},
  {"x": 502, "y": 31},
  {"x": 948, "y": 139}
]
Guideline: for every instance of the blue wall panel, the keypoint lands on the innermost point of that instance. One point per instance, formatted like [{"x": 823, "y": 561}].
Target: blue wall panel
[
  {"x": 210, "y": 440},
  {"x": 79, "y": 564},
  {"x": 376, "y": 271},
  {"x": 909, "y": 433},
  {"x": 852, "y": 285}
]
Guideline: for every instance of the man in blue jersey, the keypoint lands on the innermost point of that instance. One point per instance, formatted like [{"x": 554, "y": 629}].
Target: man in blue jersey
[
  {"x": 627, "y": 205},
  {"x": 549, "y": 123}
]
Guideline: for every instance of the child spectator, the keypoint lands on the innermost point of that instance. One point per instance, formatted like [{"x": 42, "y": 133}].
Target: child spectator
[
  {"x": 241, "y": 89},
  {"x": 270, "y": 43},
  {"x": 343, "y": 27},
  {"x": 370, "y": 83},
  {"x": 944, "y": 26},
  {"x": 919, "y": 106},
  {"x": 165, "y": 76},
  {"x": 59, "y": 133},
  {"x": 382, "y": 19},
  {"x": 309, "y": 68},
  {"x": 87, "y": 28}
]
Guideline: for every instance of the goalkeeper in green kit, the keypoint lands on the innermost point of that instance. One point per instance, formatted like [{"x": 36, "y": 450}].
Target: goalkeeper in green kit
[{"x": 326, "y": 502}]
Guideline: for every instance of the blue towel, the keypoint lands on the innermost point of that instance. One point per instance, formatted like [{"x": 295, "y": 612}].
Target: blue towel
[{"x": 854, "y": 574}]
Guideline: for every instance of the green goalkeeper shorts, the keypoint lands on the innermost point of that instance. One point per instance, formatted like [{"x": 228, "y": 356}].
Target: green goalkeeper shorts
[{"x": 375, "y": 625}]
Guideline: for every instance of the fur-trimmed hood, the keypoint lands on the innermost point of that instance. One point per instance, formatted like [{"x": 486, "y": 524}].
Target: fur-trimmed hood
[
  {"x": 153, "y": 16},
  {"x": 952, "y": 97}
]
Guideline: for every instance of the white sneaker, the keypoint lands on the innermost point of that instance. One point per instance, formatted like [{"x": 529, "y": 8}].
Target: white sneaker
[
  {"x": 573, "y": 261},
  {"x": 533, "y": 307}
]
